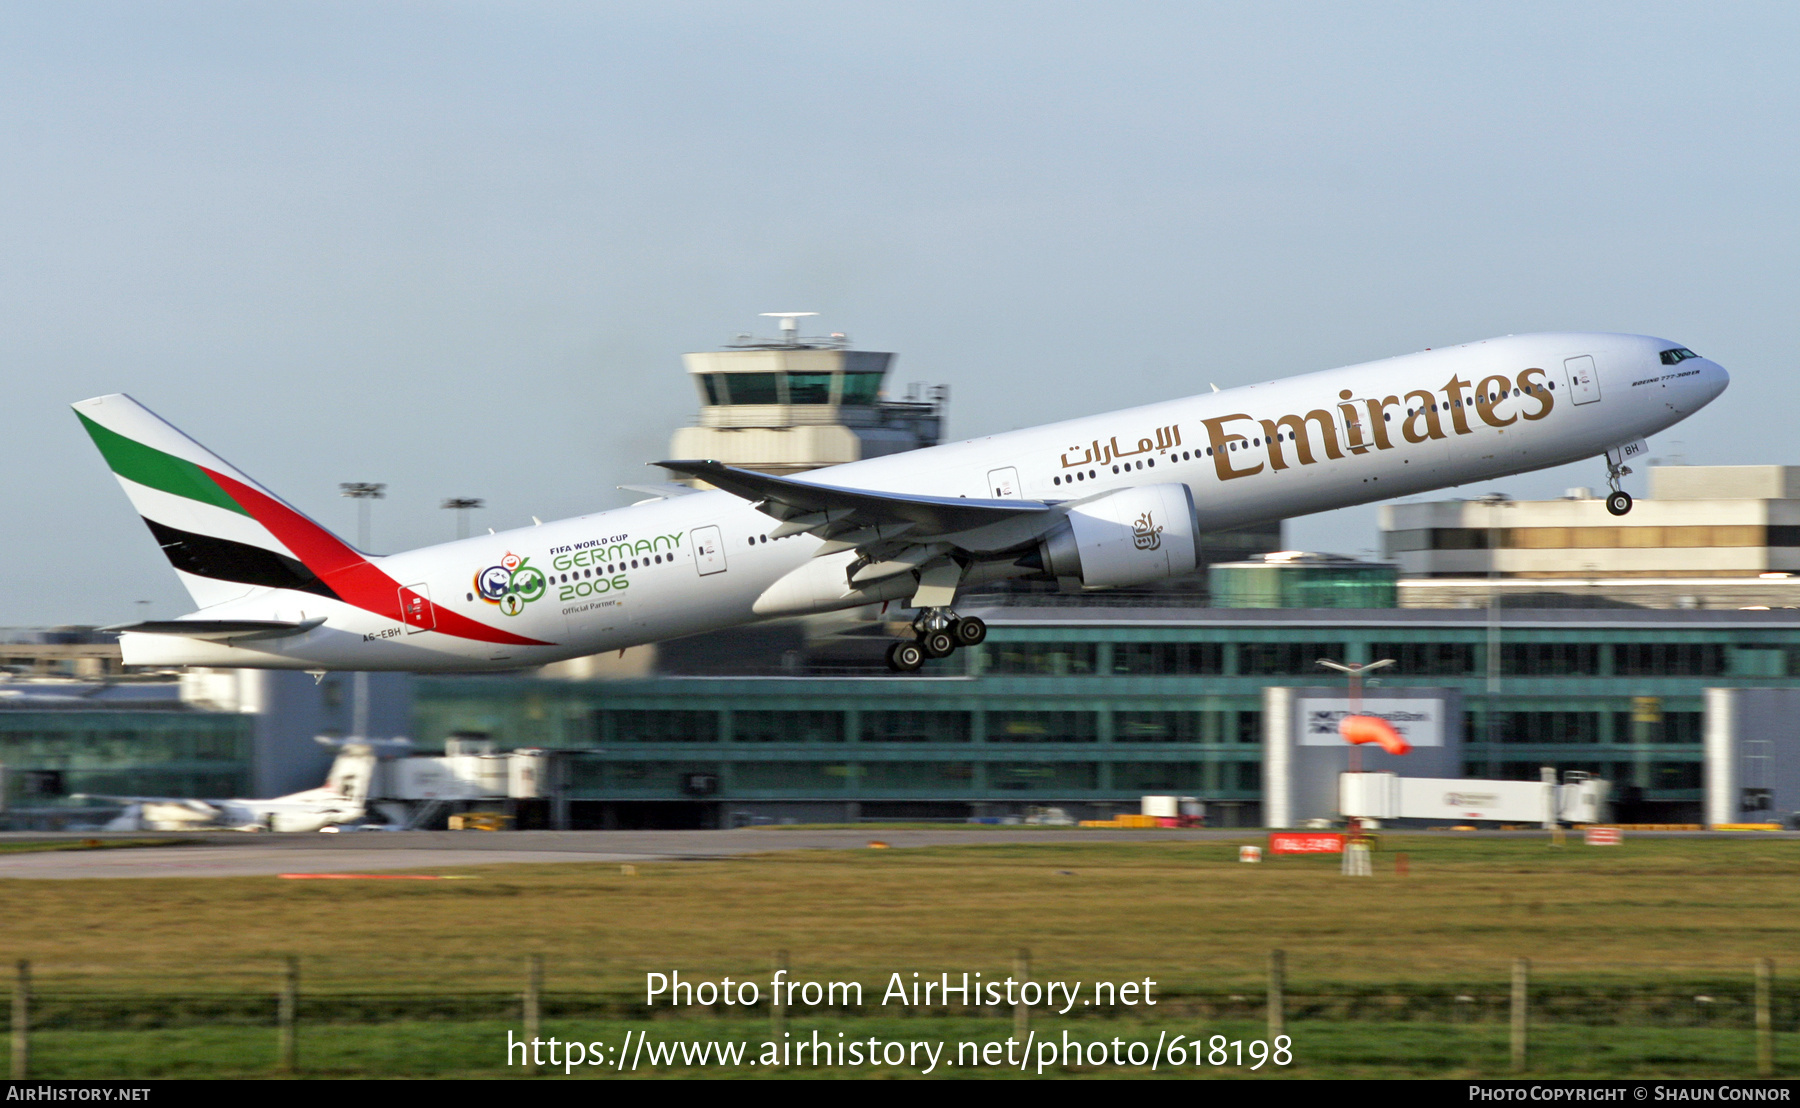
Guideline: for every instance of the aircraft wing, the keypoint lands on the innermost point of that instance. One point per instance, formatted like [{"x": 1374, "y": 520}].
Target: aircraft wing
[
  {"x": 837, "y": 510},
  {"x": 219, "y": 630},
  {"x": 185, "y": 801},
  {"x": 930, "y": 539}
]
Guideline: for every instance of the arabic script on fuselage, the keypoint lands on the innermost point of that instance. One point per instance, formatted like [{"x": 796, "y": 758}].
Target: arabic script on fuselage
[{"x": 1099, "y": 453}]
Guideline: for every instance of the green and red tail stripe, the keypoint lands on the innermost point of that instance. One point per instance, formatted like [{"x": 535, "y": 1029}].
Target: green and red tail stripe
[
  {"x": 218, "y": 526},
  {"x": 354, "y": 578}
]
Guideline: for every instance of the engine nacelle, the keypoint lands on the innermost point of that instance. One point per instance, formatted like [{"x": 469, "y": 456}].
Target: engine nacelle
[{"x": 1128, "y": 537}]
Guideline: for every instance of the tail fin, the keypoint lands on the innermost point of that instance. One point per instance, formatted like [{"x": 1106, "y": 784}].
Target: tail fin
[
  {"x": 352, "y": 772},
  {"x": 224, "y": 534},
  {"x": 227, "y": 536}
]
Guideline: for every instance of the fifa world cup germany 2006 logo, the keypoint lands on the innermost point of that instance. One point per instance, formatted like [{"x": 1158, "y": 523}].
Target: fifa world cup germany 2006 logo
[
  {"x": 510, "y": 585},
  {"x": 1146, "y": 534}
]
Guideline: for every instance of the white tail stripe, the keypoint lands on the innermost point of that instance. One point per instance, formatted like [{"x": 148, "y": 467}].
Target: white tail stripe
[
  {"x": 201, "y": 519},
  {"x": 209, "y": 592}
]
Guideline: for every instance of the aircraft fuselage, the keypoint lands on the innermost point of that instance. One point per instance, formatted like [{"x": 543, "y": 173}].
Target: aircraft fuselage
[{"x": 692, "y": 563}]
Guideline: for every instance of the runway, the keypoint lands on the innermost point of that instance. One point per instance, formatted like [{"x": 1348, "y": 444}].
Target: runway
[{"x": 236, "y": 854}]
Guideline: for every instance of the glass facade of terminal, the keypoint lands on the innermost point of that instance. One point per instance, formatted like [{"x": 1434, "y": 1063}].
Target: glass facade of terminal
[
  {"x": 1086, "y": 708},
  {"x": 51, "y": 755},
  {"x": 1096, "y": 708},
  {"x": 1299, "y": 584}
]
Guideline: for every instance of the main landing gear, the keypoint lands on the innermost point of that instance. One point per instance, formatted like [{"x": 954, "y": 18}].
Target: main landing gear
[
  {"x": 938, "y": 632},
  {"x": 1618, "y": 501}
]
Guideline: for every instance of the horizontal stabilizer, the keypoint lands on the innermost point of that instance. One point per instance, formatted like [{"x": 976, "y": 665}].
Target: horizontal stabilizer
[
  {"x": 664, "y": 491},
  {"x": 219, "y": 630}
]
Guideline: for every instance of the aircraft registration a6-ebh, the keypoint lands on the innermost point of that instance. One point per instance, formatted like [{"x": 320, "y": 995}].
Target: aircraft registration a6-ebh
[{"x": 1109, "y": 500}]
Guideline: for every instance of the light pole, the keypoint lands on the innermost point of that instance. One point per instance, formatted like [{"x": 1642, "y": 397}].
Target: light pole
[
  {"x": 1494, "y": 501},
  {"x": 362, "y": 492},
  {"x": 462, "y": 506}
]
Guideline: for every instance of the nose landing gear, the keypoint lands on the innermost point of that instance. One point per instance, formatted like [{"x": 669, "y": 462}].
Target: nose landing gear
[{"x": 938, "y": 632}]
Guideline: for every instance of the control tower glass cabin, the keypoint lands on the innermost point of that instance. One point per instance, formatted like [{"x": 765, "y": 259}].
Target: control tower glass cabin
[{"x": 791, "y": 404}]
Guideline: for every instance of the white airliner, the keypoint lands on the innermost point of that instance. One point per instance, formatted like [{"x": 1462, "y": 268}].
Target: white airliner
[
  {"x": 343, "y": 799},
  {"x": 1109, "y": 500}
]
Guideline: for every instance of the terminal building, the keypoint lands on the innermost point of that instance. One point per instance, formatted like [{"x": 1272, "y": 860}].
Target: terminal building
[
  {"x": 1691, "y": 714},
  {"x": 1705, "y": 537},
  {"x": 1088, "y": 709}
]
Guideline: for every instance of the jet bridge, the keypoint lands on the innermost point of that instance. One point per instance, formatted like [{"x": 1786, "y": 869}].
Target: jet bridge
[
  {"x": 416, "y": 791},
  {"x": 1580, "y": 798}
]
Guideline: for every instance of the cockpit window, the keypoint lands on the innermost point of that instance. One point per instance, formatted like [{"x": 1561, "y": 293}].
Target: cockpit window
[{"x": 1679, "y": 354}]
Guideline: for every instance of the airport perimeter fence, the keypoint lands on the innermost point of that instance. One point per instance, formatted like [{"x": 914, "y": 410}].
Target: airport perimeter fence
[{"x": 336, "y": 1017}]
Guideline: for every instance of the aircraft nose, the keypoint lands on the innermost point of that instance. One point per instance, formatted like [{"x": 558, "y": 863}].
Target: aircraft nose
[{"x": 1713, "y": 381}]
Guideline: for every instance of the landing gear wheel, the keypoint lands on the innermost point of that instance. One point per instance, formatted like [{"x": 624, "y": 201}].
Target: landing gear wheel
[
  {"x": 938, "y": 644},
  {"x": 1618, "y": 503},
  {"x": 969, "y": 631},
  {"x": 905, "y": 657}
]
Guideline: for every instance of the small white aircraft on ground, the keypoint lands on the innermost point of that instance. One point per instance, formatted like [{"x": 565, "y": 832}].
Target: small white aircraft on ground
[
  {"x": 1108, "y": 500},
  {"x": 341, "y": 801}
]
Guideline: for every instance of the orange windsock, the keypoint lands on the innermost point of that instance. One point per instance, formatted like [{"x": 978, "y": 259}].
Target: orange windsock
[{"x": 1373, "y": 729}]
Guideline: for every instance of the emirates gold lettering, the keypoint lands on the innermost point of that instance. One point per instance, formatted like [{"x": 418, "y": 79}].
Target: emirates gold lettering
[
  {"x": 1459, "y": 416},
  {"x": 1293, "y": 429},
  {"x": 1223, "y": 443},
  {"x": 1327, "y": 431},
  {"x": 1490, "y": 394},
  {"x": 1427, "y": 414},
  {"x": 1531, "y": 389},
  {"x": 1378, "y": 420},
  {"x": 1301, "y": 439}
]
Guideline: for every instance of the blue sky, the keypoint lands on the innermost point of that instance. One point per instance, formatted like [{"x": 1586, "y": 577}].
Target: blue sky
[{"x": 459, "y": 248}]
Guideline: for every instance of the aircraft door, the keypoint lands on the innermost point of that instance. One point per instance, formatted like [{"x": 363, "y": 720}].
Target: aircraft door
[
  {"x": 1353, "y": 426},
  {"x": 1003, "y": 484},
  {"x": 415, "y": 608},
  {"x": 709, "y": 550},
  {"x": 1584, "y": 380}
]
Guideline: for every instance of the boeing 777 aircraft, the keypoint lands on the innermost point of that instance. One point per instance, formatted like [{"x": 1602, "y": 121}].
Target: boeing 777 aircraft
[{"x": 1109, "y": 500}]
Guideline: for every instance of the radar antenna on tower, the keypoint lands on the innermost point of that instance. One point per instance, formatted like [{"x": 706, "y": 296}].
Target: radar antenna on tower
[{"x": 790, "y": 325}]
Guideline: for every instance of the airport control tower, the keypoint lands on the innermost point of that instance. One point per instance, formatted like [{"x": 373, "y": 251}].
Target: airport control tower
[{"x": 788, "y": 404}]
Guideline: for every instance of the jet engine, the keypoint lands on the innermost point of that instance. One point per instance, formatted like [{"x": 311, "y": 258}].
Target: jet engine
[{"x": 1128, "y": 537}]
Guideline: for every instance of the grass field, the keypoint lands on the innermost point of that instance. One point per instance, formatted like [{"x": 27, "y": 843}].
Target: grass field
[
  {"x": 474, "y": 1049},
  {"x": 1641, "y": 954}
]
